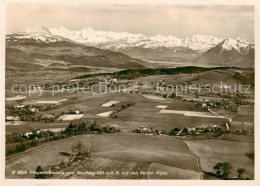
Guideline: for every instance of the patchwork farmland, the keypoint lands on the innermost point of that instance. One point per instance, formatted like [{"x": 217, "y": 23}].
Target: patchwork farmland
[{"x": 159, "y": 135}]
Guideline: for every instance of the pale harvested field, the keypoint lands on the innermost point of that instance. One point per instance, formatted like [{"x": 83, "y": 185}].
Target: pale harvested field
[
  {"x": 47, "y": 102},
  {"x": 190, "y": 113},
  {"x": 105, "y": 114},
  {"x": 161, "y": 106},
  {"x": 67, "y": 117},
  {"x": 143, "y": 113},
  {"x": 153, "y": 97},
  {"x": 110, "y": 103},
  {"x": 212, "y": 151},
  {"x": 127, "y": 147},
  {"x": 15, "y": 98}
]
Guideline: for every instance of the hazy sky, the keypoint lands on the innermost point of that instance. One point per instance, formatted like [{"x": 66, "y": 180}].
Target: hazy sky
[{"x": 177, "y": 20}]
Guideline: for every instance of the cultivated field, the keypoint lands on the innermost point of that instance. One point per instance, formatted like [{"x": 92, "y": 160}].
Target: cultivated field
[
  {"x": 212, "y": 151},
  {"x": 126, "y": 147},
  {"x": 67, "y": 117},
  {"x": 182, "y": 157},
  {"x": 172, "y": 172}
]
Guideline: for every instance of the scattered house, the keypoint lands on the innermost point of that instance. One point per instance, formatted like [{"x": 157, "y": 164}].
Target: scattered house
[
  {"x": 12, "y": 118},
  {"x": 200, "y": 129},
  {"x": 9, "y": 118},
  {"x": 34, "y": 110},
  {"x": 114, "y": 80},
  {"x": 19, "y": 106},
  {"x": 204, "y": 104},
  {"x": 31, "y": 133},
  {"x": 115, "y": 126},
  {"x": 144, "y": 130},
  {"x": 27, "y": 134},
  {"x": 77, "y": 112},
  {"x": 38, "y": 131},
  {"x": 16, "y": 118},
  {"x": 207, "y": 103},
  {"x": 227, "y": 126},
  {"x": 72, "y": 112},
  {"x": 48, "y": 116}
]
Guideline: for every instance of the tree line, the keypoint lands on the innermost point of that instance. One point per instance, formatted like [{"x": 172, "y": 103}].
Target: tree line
[{"x": 18, "y": 142}]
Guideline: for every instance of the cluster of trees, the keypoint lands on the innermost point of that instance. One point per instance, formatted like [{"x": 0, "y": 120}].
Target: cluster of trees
[
  {"x": 27, "y": 115},
  {"x": 123, "y": 107},
  {"x": 216, "y": 131},
  {"x": 233, "y": 101},
  {"x": 126, "y": 106},
  {"x": 34, "y": 134},
  {"x": 18, "y": 142},
  {"x": 135, "y": 73},
  {"x": 84, "y": 128},
  {"x": 79, "y": 152},
  {"x": 38, "y": 118},
  {"x": 223, "y": 170},
  {"x": 39, "y": 173},
  {"x": 27, "y": 144}
]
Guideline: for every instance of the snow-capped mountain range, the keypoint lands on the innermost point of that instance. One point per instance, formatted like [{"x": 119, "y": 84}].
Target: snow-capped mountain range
[
  {"x": 124, "y": 40},
  {"x": 197, "y": 48}
]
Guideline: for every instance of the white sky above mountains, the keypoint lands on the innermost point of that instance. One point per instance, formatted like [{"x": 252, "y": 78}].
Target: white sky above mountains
[{"x": 177, "y": 20}]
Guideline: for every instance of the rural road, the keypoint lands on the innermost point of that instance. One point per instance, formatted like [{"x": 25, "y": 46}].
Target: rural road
[
  {"x": 229, "y": 119},
  {"x": 192, "y": 152},
  {"x": 198, "y": 158}
]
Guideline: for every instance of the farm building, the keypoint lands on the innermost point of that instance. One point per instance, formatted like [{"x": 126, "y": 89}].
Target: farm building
[
  {"x": 19, "y": 106},
  {"x": 34, "y": 110},
  {"x": 11, "y": 118},
  {"x": 48, "y": 116}
]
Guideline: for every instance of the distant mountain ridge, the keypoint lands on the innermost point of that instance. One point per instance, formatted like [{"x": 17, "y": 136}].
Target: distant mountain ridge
[
  {"x": 232, "y": 51},
  {"x": 200, "y": 48},
  {"x": 42, "y": 51},
  {"x": 118, "y": 40}
]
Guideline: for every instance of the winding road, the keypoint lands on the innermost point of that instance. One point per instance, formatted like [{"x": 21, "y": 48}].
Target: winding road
[
  {"x": 229, "y": 119},
  {"x": 198, "y": 158}
]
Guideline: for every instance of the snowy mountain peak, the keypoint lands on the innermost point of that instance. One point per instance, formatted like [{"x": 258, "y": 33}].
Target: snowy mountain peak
[
  {"x": 124, "y": 40},
  {"x": 201, "y": 42},
  {"x": 42, "y": 34},
  {"x": 239, "y": 44},
  {"x": 117, "y": 40}
]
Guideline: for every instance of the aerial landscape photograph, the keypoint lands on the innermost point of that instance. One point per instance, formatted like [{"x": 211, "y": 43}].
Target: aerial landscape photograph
[{"x": 129, "y": 91}]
